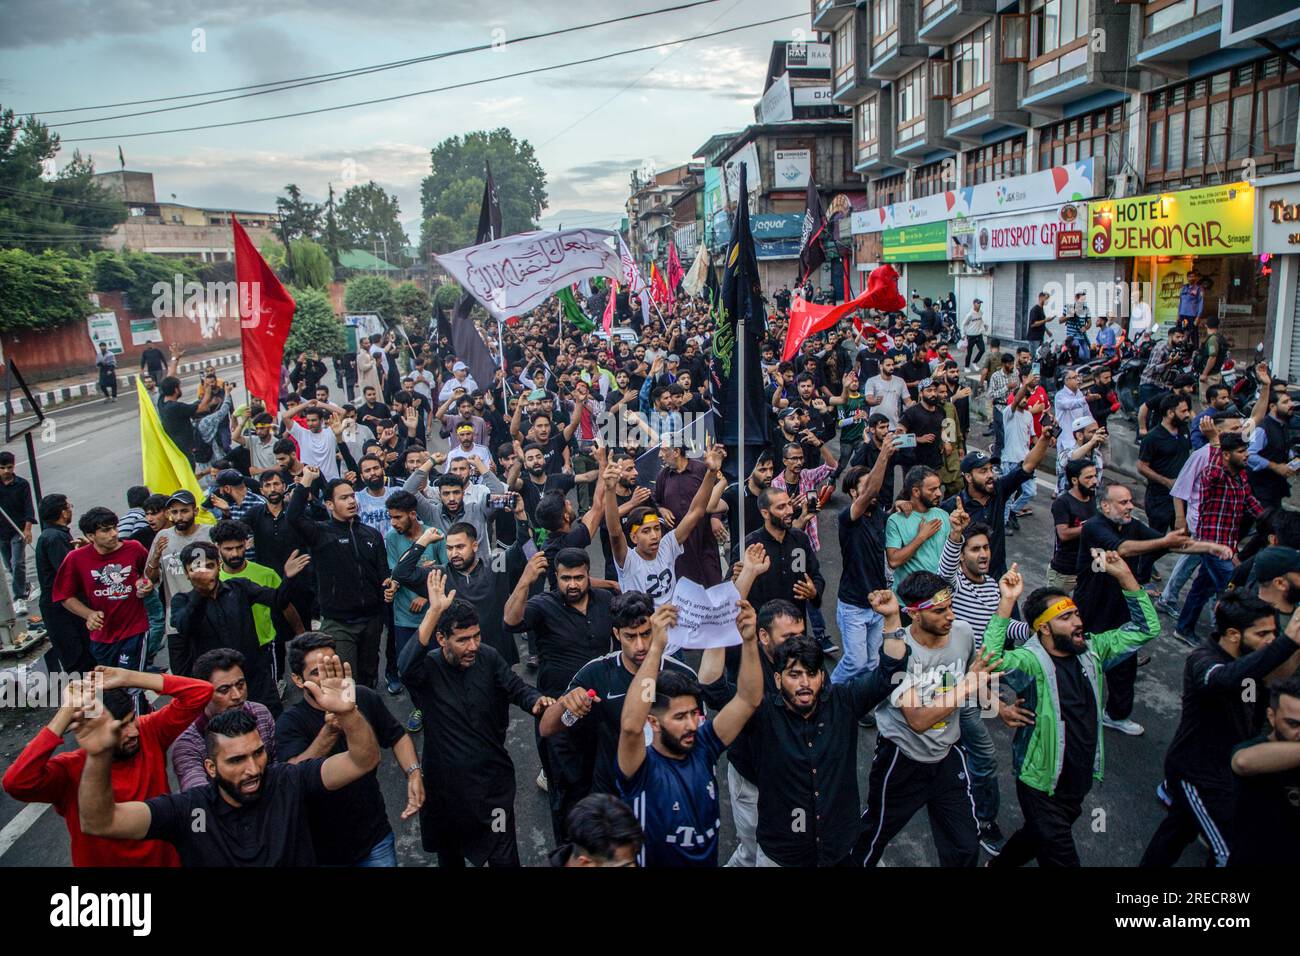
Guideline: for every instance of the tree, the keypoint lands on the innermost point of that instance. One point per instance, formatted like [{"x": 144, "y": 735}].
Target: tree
[
  {"x": 42, "y": 291},
  {"x": 371, "y": 294},
  {"x": 40, "y": 209},
  {"x": 314, "y": 325},
  {"x": 273, "y": 253},
  {"x": 447, "y": 295},
  {"x": 112, "y": 274},
  {"x": 411, "y": 301},
  {"x": 332, "y": 237},
  {"x": 370, "y": 219},
  {"x": 454, "y": 187},
  {"x": 440, "y": 234},
  {"x": 299, "y": 218},
  {"x": 150, "y": 270},
  {"x": 311, "y": 264}
]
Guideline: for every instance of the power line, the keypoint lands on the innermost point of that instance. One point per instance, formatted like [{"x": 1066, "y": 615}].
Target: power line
[
  {"x": 440, "y": 89},
  {"x": 54, "y": 200},
  {"x": 313, "y": 79}
]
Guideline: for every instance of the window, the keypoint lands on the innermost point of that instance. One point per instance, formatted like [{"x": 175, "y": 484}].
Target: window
[
  {"x": 843, "y": 53},
  {"x": 1163, "y": 14},
  {"x": 890, "y": 189},
  {"x": 911, "y": 105},
  {"x": 1056, "y": 24},
  {"x": 972, "y": 60},
  {"x": 1209, "y": 125},
  {"x": 868, "y": 130},
  {"x": 930, "y": 9},
  {"x": 928, "y": 180},
  {"x": 1102, "y": 133},
  {"x": 996, "y": 161},
  {"x": 884, "y": 27}
]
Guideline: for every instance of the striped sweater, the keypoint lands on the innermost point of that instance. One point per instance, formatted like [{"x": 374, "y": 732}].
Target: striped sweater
[{"x": 975, "y": 602}]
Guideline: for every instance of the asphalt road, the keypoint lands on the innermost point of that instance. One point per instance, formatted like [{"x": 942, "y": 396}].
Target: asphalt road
[{"x": 94, "y": 455}]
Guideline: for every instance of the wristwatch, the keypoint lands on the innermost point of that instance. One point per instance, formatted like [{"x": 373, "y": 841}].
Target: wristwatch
[
  {"x": 898, "y": 632},
  {"x": 412, "y": 768}
]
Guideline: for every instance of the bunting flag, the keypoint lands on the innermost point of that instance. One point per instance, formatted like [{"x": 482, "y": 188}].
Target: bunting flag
[
  {"x": 265, "y": 315},
  {"x": 693, "y": 284},
  {"x": 166, "y": 469},
  {"x": 573, "y": 312},
  {"x": 611, "y": 300},
  {"x": 658, "y": 290},
  {"x": 740, "y": 312},
  {"x": 811, "y": 253},
  {"x": 465, "y": 339},
  {"x": 675, "y": 273}
]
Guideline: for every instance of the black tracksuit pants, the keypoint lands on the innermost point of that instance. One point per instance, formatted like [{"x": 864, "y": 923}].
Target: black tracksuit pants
[
  {"x": 1046, "y": 834},
  {"x": 1196, "y": 809},
  {"x": 900, "y": 786}
]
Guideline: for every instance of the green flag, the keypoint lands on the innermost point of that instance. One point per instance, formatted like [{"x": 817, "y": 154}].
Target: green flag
[{"x": 573, "y": 312}]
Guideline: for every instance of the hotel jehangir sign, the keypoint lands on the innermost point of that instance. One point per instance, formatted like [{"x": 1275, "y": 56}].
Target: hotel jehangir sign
[{"x": 1217, "y": 220}]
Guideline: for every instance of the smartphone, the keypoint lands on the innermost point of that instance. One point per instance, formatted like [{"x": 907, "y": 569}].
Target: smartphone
[
  {"x": 503, "y": 502},
  {"x": 1036, "y": 369},
  {"x": 905, "y": 440}
]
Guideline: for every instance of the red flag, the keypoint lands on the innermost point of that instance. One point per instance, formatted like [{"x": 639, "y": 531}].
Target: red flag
[
  {"x": 675, "y": 272},
  {"x": 658, "y": 291},
  {"x": 608, "y": 319},
  {"x": 265, "y": 314},
  {"x": 807, "y": 319}
]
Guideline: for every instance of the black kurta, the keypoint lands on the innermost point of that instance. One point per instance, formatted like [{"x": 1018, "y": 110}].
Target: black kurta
[{"x": 468, "y": 771}]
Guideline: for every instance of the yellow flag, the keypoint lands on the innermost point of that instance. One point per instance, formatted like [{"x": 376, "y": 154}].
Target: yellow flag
[{"x": 166, "y": 469}]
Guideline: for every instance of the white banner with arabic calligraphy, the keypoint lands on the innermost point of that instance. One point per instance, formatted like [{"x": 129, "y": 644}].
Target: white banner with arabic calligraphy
[{"x": 513, "y": 275}]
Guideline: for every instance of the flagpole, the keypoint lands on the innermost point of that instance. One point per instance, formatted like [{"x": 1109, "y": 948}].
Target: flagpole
[{"x": 742, "y": 479}]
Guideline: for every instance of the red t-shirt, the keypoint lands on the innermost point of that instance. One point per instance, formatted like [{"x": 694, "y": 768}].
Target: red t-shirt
[
  {"x": 1036, "y": 397},
  {"x": 41, "y": 776},
  {"x": 106, "y": 582}
]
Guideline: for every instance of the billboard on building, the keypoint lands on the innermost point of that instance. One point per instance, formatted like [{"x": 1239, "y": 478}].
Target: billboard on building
[{"x": 1216, "y": 220}]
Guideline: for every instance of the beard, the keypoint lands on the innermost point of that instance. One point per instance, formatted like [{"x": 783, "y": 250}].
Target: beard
[
  {"x": 538, "y": 471},
  {"x": 796, "y": 705},
  {"x": 275, "y": 497},
  {"x": 673, "y": 744},
  {"x": 232, "y": 789},
  {"x": 375, "y": 485},
  {"x": 1087, "y": 492},
  {"x": 1066, "y": 643}
]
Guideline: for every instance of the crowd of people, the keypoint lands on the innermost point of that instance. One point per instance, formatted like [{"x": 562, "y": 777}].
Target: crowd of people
[{"x": 484, "y": 545}]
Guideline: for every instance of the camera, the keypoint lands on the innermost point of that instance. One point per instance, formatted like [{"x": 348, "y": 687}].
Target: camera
[{"x": 503, "y": 502}]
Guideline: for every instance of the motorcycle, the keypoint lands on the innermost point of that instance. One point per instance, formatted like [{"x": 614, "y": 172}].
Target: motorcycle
[{"x": 1133, "y": 357}]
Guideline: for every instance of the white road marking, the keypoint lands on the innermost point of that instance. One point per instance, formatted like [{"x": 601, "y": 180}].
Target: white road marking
[
  {"x": 55, "y": 451},
  {"x": 20, "y": 824}
]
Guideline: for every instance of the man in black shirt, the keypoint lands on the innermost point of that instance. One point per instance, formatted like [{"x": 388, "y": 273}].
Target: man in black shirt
[
  {"x": 351, "y": 566},
  {"x": 177, "y": 417},
  {"x": 559, "y": 527},
  {"x": 570, "y": 625},
  {"x": 1037, "y": 324},
  {"x": 805, "y": 737},
  {"x": 1160, "y": 458},
  {"x": 69, "y": 644},
  {"x": 759, "y": 479},
  {"x": 253, "y": 814},
  {"x": 862, "y": 548},
  {"x": 1069, "y": 512},
  {"x": 1267, "y": 794},
  {"x": 1218, "y": 714},
  {"x": 925, "y": 421},
  {"x": 794, "y": 573},
  {"x": 464, "y": 689},
  {"x": 349, "y": 827},
  {"x": 219, "y": 613},
  {"x": 987, "y": 493},
  {"x": 153, "y": 363}
]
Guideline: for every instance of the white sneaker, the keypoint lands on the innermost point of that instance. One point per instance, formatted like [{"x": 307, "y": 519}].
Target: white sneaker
[
  {"x": 1130, "y": 727},
  {"x": 541, "y": 781},
  {"x": 20, "y": 606}
]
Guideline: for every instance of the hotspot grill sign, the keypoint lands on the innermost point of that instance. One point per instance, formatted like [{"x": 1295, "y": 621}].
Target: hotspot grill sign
[{"x": 1032, "y": 236}]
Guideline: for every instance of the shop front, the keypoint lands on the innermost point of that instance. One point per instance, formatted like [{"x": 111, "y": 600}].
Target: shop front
[
  {"x": 1206, "y": 234},
  {"x": 1277, "y": 243},
  {"x": 920, "y": 254}
]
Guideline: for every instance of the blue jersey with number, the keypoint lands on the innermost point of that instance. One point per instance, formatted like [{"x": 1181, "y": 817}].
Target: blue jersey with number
[{"x": 676, "y": 802}]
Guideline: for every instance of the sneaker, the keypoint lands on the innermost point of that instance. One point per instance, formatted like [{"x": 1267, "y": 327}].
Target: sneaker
[
  {"x": 1126, "y": 726},
  {"x": 395, "y": 687},
  {"x": 415, "y": 723},
  {"x": 868, "y": 720},
  {"x": 991, "y": 838},
  {"x": 20, "y": 607},
  {"x": 828, "y": 646},
  {"x": 541, "y": 782},
  {"x": 1013, "y": 523},
  {"x": 1190, "y": 640},
  {"x": 1162, "y": 795},
  {"x": 530, "y": 661},
  {"x": 1165, "y": 608}
]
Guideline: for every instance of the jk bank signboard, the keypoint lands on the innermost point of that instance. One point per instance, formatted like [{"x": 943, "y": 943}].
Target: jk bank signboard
[{"x": 1218, "y": 220}]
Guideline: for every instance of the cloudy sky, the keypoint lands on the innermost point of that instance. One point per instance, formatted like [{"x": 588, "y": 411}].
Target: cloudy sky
[{"x": 591, "y": 125}]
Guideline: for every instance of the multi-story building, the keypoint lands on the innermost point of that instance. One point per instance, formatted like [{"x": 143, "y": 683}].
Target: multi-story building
[
  {"x": 654, "y": 210},
  {"x": 173, "y": 229},
  {"x": 985, "y": 128}
]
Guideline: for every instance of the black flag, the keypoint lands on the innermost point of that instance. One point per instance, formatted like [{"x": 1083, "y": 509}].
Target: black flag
[
  {"x": 811, "y": 253},
  {"x": 465, "y": 340},
  {"x": 741, "y": 302}
]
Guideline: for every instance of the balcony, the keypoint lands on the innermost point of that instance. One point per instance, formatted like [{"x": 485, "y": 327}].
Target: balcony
[
  {"x": 1096, "y": 60},
  {"x": 921, "y": 120},
  {"x": 1175, "y": 31},
  {"x": 987, "y": 107},
  {"x": 829, "y": 14},
  {"x": 897, "y": 50},
  {"x": 852, "y": 83},
  {"x": 876, "y": 154},
  {"x": 942, "y": 21}
]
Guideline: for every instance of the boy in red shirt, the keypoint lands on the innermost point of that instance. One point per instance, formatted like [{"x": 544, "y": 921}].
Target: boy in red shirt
[
  {"x": 103, "y": 583},
  {"x": 139, "y": 760}
]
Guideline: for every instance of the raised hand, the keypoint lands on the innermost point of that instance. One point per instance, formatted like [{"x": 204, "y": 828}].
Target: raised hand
[
  {"x": 99, "y": 734},
  {"x": 335, "y": 692},
  {"x": 535, "y": 568},
  {"x": 714, "y": 457},
  {"x": 295, "y": 563},
  {"x": 884, "y": 602},
  {"x": 664, "y": 617},
  {"x": 439, "y": 598},
  {"x": 746, "y": 621},
  {"x": 959, "y": 520},
  {"x": 610, "y": 477},
  {"x": 756, "y": 557},
  {"x": 1012, "y": 585}
]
